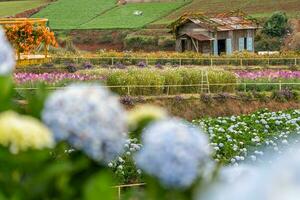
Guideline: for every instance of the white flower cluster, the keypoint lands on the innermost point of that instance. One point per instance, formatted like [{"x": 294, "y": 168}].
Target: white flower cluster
[
  {"x": 173, "y": 151},
  {"x": 120, "y": 164},
  {"x": 7, "y": 57},
  {"x": 251, "y": 137},
  {"x": 90, "y": 118}
]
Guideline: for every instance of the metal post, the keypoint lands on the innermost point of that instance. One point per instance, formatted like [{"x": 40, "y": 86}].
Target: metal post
[
  {"x": 168, "y": 90},
  {"x": 119, "y": 193},
  {"x": 112, "y": 62},
  {"x": 128, "y": 90},
  {"x": 280, "y": 85},
  {"x": 211, "y": 62},
  {"x": 180, "y": 62},
  {"x": 241, "y": 62},
  {"x": 245, "y": 87},
  {"x": 295, "y": 61}
]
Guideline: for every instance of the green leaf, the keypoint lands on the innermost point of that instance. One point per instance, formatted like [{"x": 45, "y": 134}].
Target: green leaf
[
  {"x": 6, "y": 91},
  {"x": 36, "y": 100},
  {"x": 100, "y": 187}
]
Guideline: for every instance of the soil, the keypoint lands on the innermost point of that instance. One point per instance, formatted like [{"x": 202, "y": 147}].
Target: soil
[
  {"x": 29, "y": 13},
  {"x": 194, "y": 108}
]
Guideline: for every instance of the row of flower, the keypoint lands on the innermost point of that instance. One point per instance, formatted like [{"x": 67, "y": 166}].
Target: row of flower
[
  {"x": 219, "y": 80},
  {"x": 235, "y": 140}
]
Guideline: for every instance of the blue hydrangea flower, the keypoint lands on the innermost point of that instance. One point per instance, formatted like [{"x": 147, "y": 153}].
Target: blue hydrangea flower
[
  {"x": 173, "y": 151},
  {"x": 90, "y": 118},
  {"x": 7, "y": 57}
]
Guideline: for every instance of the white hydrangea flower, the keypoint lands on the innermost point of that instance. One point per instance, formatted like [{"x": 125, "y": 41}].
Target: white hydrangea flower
[
  {"x": 90, "y": 118},
  {"x": 278, "y": 181},
  {"x": 173, "y": 151},
  {"x": 7, "y": 56}
]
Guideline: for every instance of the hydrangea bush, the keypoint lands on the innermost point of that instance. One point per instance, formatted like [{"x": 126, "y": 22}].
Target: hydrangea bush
[
  {"x": 182, "y": 151},
  {"x": 248, "y": 137},
  {"x": 85, "y": 116}
]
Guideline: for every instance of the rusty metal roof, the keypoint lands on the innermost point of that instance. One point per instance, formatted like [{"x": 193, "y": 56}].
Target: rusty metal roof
[
  {"x": 225, "y": 23},
  {"x": 199, "y": 36}
]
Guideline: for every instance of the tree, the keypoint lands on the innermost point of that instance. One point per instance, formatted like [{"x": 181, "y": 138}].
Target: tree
[
  {"x": 276, "y": 25},
  {"x": 26, "y": 37}
]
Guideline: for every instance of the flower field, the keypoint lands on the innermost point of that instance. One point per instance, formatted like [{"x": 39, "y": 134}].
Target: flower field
[
  {"x": 77, "y": 140},
  {"x": 167, "y": 81},
  {"x": 235, "y": 140},
  {"x": 289, "y": 79}
]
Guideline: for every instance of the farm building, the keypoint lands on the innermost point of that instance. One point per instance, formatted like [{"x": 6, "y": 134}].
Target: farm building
[{"x": 217, "y": 35}]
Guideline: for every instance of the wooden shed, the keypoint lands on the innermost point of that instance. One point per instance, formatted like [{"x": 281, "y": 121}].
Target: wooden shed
[{"x": 221, "y": 34}]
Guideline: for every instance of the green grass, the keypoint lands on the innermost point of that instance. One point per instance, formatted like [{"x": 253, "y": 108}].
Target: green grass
[
  {"x": 123, "y": 17},
  {"x": 104, "y": 14},
  {"x": 10, "y": 8},
  {"x": 258, "y": 8},
  {"x": 70, "y": 14}
]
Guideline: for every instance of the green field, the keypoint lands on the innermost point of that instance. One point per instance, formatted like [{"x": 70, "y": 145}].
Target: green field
[
  {"x": 10, "y": 8},
  {"x": 256, "y": 8},
  {"x": 122, "y": 17},
  {"x": 70, "y": 14},
  {"x": 104, "y": 14}
]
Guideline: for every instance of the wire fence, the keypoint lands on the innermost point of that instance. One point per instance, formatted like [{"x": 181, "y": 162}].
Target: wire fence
[
  {"x": 209, "y": 61},
  {"x": 120, "y": 187},
  {"x": 159, "y": 90},
  {"x": 110, "y": 62}
]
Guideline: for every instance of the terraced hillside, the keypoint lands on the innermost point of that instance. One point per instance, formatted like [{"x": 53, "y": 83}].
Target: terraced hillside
[
  {"x": 257, "y": 8},
  {"x": 10, "y": 8},
  {"x": 103, "y": 14}
]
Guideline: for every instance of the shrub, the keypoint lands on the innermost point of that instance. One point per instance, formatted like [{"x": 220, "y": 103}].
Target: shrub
[
  {"x": 222, "y": 97},
  {"x": 276, "y": 25},
  {"x": 284, "y": 95},
  {"x": 138, "y": 42},
  {"x": 206, "y": 98},
  {"x": 245, "y": 96},
  {"x": 266, "y": 43},
  {"x": 87, "y": 65},
  {"x": 166, "y": 42},
  {"x": 71, "y": 67},
  {"x": 141, "y": 64}
]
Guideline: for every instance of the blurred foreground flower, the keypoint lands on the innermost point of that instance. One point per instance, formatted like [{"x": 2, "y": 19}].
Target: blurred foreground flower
[
  {"x": 174, "y": 152},
  {"x": 90, "y": 118},
  {"x": 7, "y": 57},
  {"x": 143, "y": 114},
  {"x": 279, "y": 181},
  {"x": 20, "y": 133}
]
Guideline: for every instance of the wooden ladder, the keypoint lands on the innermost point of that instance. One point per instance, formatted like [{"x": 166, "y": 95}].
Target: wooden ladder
[{"x": 204, "y": 82}]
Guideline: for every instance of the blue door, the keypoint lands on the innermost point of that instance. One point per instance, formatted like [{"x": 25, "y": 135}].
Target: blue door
[
  {"x": 250, "y": 44},
  {"x": 241, "y": 44},
  {"x": 229, "y": 46}
]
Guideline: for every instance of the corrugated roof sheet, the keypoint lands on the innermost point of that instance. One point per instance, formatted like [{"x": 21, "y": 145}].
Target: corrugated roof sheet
[{"x": 226, "y": 23}]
